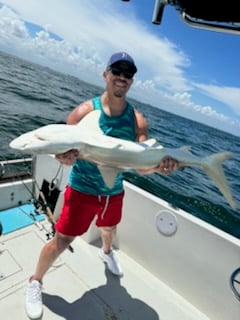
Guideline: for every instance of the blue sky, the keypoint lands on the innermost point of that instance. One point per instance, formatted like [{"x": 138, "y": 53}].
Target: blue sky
[{"x": 184, "y": 70}]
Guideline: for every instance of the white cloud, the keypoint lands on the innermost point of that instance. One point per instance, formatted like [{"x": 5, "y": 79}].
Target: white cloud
[
  {"x": 11, "y": 26},
  {"x": 82, "y": 26},
  {"x": 228, "y": 95},
  {"x": 91, "y": 30}
]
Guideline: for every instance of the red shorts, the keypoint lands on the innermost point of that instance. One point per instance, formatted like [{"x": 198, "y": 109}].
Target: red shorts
[{"x": 79, "y": 210}]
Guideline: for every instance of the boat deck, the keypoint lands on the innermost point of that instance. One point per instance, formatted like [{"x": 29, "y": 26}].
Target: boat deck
[{"x": 78, "y": 286}]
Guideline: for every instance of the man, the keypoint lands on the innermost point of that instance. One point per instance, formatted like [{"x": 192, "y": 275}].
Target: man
[{"x": 86, "y": 191}]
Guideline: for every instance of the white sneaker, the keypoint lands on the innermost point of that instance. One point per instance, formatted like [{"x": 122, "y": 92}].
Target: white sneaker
[
  {"x": 33, "y": 302},
  {"x": 111, "y": 261}
]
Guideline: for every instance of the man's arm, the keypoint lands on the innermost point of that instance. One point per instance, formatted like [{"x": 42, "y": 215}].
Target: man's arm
[
  {"x": 141, "y": 127},
  {"x": 167, "y": 165},
  {"x": 80, "y": 112}
]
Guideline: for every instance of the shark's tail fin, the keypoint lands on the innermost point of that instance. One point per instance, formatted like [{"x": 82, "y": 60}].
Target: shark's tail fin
[{"x": 213, "y": 167}]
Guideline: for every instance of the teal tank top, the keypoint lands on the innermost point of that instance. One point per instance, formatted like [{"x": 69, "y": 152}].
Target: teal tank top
[{"x": 85, "y": 176}]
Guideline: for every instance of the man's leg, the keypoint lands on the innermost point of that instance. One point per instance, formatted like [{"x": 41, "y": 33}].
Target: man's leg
[
  {"x": 49, "y": 254},
  {"x": 106, "y": 253},
  {"x": 107, "y": 235}
]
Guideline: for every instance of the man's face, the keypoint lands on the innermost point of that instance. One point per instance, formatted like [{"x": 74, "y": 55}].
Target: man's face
[{"x": 119, "y": 78}]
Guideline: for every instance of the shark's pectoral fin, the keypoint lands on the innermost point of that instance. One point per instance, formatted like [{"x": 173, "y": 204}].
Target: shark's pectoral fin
[{"x": 109, "y": 175}]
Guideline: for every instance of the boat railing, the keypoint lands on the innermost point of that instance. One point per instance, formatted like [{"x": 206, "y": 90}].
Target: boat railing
[{"x": 15, "y": 169}]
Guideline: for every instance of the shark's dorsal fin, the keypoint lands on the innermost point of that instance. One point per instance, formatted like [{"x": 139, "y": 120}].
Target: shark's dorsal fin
[
  {"x": 91, "y": 122},
  {"x": 109, "y": 175}
]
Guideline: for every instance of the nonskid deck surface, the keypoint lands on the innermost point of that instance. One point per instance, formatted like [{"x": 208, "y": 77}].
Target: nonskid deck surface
[{"x": 78, "y": 286}]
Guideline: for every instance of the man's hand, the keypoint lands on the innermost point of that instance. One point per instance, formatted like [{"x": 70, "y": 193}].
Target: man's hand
[
  {"x": 166, "y": 166},
  {"x": 68, "y": 158}
]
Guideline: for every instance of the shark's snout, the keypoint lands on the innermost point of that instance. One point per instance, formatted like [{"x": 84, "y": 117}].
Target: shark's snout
[{"x": 16, "y": 144}]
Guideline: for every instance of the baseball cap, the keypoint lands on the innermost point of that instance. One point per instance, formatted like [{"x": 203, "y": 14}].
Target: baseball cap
[{"x": 122, "y": 57}]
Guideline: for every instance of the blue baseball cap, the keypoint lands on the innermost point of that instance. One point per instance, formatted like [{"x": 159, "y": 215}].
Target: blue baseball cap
[{"x": 122, "y": 57}]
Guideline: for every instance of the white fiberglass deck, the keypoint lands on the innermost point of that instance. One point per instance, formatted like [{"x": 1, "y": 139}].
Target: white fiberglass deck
[{"x": 78, "y": 286}]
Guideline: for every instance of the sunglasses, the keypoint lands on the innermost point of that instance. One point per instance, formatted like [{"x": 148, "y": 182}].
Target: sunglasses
[{"x": 118, "y": 72}]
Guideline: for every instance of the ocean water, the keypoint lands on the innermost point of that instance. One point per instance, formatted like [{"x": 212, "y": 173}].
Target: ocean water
[{"x": 32, "y": 96}]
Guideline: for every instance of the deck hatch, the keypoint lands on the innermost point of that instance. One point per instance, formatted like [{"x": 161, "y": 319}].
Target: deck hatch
[{"x": 8, "y": 265}]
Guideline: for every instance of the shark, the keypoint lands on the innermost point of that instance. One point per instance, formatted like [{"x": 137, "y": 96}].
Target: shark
[{"x": 113, "y": 155}]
